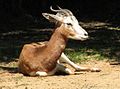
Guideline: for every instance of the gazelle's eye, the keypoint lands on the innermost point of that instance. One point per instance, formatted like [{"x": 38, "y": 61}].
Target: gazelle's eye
[{"x": 69, "y": 24}]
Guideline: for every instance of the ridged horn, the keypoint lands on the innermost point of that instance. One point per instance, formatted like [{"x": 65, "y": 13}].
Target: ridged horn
[
  {"x": 68, "y": 11},
  {"x": 61, "y": 11}
]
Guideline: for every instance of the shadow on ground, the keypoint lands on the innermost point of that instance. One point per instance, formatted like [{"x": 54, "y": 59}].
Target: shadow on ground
[{"x": 9, "y": 69}]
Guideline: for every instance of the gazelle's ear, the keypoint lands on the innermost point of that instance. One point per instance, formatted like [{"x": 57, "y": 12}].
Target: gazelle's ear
[{"x": 52, "y": 17}]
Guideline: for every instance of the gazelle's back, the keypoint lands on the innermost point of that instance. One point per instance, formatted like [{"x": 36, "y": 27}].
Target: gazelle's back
[{"x": 29, "y": 60}]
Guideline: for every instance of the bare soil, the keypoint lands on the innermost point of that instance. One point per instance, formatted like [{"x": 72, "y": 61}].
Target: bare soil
[{"x": 108, "y": 78}]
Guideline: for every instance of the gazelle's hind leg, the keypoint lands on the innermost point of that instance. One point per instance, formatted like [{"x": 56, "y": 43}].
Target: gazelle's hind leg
[
  {"x": 65, "y": 59},
  {"x": 59, "y": 69}
]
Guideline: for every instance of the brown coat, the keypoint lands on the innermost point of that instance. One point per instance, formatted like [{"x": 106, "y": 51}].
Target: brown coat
[{"x": 43, "y": 57}]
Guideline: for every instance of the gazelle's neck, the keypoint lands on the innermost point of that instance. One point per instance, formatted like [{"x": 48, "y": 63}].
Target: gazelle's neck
[{"x": 57, "y": 43}]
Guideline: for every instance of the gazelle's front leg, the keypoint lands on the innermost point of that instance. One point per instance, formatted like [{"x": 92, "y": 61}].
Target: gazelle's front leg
[
  {"x": 63, "y": 69},
  {"x": 65, "y": 59}
]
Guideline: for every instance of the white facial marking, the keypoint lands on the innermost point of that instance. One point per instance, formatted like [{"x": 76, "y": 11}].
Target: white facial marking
[{"x": 81, "y": 34}]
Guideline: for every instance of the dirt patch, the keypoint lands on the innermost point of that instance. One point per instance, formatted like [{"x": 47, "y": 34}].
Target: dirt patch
[{"x": 108, "y": 78}]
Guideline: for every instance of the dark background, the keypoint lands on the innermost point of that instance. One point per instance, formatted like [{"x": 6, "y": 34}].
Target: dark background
[
  {"x": 21, "y": 22},
  {"x": 103, "y": 10}
]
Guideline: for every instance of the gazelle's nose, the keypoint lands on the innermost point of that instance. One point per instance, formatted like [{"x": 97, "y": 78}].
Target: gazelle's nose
[{"x": 86, "y": 34}]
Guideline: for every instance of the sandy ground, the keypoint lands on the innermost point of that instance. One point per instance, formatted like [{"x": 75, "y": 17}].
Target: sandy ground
[{"x": 108, "y": 78}]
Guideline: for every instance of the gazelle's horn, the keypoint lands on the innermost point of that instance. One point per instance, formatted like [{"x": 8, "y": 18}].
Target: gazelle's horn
[
  {"x": 59, "y": 8},
  {"x": 70, "y": 13},
  {"x": 55, "y": 10},
  {"x": 59, "y": 11}
]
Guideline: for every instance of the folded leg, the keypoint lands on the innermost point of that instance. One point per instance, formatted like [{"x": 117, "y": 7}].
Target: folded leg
[
  {"x": 65, "y": 59},
  {"x": 62, "y": 69},
  {"x": 41, "y": 74}
]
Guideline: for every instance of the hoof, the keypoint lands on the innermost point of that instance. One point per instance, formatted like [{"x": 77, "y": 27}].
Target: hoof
[{"x": 95, "y": 70}]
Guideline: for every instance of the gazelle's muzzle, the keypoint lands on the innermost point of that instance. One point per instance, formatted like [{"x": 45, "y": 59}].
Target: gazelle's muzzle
[
  {"x": 80, "y": 34},
  {"x": 79, "y": 37}
]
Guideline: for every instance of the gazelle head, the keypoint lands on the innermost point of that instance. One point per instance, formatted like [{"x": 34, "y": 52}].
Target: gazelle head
[{"x": 65, "y": 17}]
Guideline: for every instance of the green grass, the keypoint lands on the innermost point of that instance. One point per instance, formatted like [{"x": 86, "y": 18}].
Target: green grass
[{"x": 84, "y": 54}]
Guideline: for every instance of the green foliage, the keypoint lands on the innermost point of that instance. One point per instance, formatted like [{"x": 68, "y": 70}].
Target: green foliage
[{"x": 84, "y": 54}]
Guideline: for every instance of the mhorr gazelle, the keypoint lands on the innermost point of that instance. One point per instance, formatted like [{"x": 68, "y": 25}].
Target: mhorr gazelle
[{"x": 43, "y": 58}]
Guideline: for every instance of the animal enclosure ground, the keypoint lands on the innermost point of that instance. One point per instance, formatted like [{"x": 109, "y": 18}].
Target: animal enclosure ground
[{"x": 108, "y": 78}]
